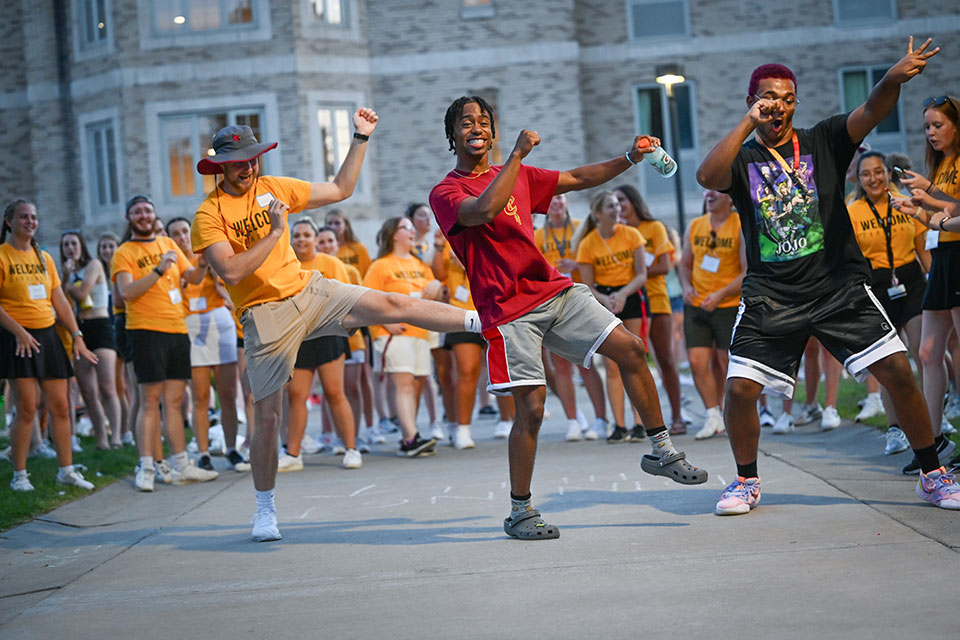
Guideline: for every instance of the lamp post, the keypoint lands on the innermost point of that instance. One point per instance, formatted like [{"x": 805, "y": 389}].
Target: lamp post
[{"x": 669, "y": 75}]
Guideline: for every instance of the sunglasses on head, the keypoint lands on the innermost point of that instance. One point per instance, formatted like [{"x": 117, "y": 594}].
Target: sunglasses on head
[
  {"x": 935, "y": 102},
  {"x": 713, "y": 240},
  {"x": 70, "y": 232}
]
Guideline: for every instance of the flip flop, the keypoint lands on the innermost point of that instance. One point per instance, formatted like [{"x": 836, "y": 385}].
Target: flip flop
[
  {"x": 528, "y": 525},
  {"x": 675, "y": 467}
]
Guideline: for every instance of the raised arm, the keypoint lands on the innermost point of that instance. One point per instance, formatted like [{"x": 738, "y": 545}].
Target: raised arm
[
  {"x": 883, "y": 98},
  {"x": 234, "y": 267},
  {"x": 716, "y": 170},
  {"x": 591, "y": 175},
  {"x": 342, "y": 186},
  {"x": 485, "y": 207}
]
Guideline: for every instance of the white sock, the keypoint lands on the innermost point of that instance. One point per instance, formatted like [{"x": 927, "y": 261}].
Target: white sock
[
  {"x": 65, "y": 471},
  {"x": 713, "y": 411},
  {"x": 265, "y": 500},
  {"x": 20, "y": 475},
  {"x": 180, "y": 460},
  {"x": 146, "y": 462},
  {"x": 205, "y": 452},
  {"x": 471, "y": 322}
]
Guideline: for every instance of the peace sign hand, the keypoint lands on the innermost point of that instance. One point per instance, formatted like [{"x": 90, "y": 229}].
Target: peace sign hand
[{"x": 913, "y": 62}]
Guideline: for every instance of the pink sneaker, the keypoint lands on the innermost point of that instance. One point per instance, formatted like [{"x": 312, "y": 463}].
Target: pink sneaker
[
  {"x": 940, "y": 489},
  {"x": 740, "y": 496}
]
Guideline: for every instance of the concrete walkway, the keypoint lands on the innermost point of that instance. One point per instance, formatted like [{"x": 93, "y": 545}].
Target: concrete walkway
[{"x": 840, "y": 547}]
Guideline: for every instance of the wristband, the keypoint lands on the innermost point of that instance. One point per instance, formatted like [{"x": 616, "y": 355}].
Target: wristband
[
  {"x": 929, "y": 186},
  {"x": 627, "y": 156},
  {"x": 942, "y": 220},
  {"x": 78, "y": 334},
  {"x": 157, "y": 271},
  {"x": 360, "y": 136}
]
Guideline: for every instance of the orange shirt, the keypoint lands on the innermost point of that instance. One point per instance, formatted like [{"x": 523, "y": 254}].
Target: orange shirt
[
  {"x": 328, "y": 266},
  {"x": 25, "y": 289},
  {"x": 556, "y": 244},
  {"x": 612, "y": 258},
  {"x": 658, "y": 243},
  {"x": 398, "y": 275},
  {"x": 241, "y": 221},
  {"x": 726, "y": 250},
  {"x": 873, "y": 240},
  {"x": 456, "y": 281},
  {"x": 161, "y": 307},
  {"x": 203, "y": 297},
  {"x": 356, "y": 255},
  {"x": 947, "y": 180}
]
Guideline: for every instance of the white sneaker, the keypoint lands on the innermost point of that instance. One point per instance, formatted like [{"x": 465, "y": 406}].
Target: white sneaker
[
  {"x": 144, "y": 479},
  {"x": 5, "y": 453},
  {"x": 265, "y": 526},
  {"x": 573, "y": 431},
  {"x": 309, "y": 446},
  {"x": 582, "y": 419},
  {"x": 352, "y": 459},
  {"x": 338, "y": 448},
  {"x": 809, "y": 413},
  {"x": 437, "y": 432},
  {"x": 193, "y": 447},
  {"x": 74, "y": 479},
  {"x": 872, "y": 406},
  {"x": 388, "y": 426},
  {"x": 462, "y": 439},
  {"x": 502, "y": 430},
  {"x": 766, "y": 418},
  {"x": 712, "y": 426},
  {"x": 84, "y": 427},
  {"x": 75, "y": 444},
  {"x": 44, "y": 450},
  {"x": 599, "y": 427},
  {"x": 288, "y": 462},
  {"x": 191, "y": 473},
  {"x": 127, "y": 439},
  {"x": 22, "y": 483},
  {"x": 374, "y": 436},
  {"x": 163, "y": 471},
  {"x": 591, "y": 434},
  {"x": 952, "y": 410},
  {"x": 896, "y": 441},
  {"x": 946, "y": 428},
  {"x": 784, "y": 424},
  {"x": 830, "y": 419}
]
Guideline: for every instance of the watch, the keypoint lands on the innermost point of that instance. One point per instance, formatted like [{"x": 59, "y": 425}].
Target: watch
[{"x": 78, "y": 334}]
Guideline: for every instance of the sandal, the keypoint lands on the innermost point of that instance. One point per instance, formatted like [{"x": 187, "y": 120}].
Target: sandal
[
  {"x": 529, "y": 526},
  {"x": 675, "y": 467},
  {"x": 678, "y": 429}
]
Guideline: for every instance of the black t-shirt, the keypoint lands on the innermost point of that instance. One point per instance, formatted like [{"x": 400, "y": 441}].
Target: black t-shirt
[{"x": 799, "y": 240}]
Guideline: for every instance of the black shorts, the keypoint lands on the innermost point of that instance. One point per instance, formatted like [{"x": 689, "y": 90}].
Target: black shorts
[
  {"x": 159, "y": 356},
  {"x": 51, "y": 363},
  {"x": 98, "y": 334},
  {"x": 463, "y": 337},
  {"x": 901, "y": 310},
  {"x": 708, "y": 328},
  {"x": 769, "y": 335},
  {"x": 634, "y": 307},
  {"x": 124, "y": 346},
  {"x": 318, "y": 351},
  {"x": 943, "y": 283}
]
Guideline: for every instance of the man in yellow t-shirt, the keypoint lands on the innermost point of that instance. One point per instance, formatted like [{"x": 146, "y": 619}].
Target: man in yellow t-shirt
[
  {"x": 147, "y": 271},
  {"x": 241, "y": 229}
]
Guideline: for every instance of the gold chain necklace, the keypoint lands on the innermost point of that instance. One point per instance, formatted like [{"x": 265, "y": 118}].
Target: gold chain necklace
[{"x": 471, "y": 176}]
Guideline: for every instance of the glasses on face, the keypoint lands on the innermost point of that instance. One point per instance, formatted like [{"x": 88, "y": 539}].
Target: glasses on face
[
  {"x": 406, "y": 227},
  {"x": 713, "y": 240},
  {"x": 936, "y": 102},
  {"x": 789, "y": 100}
]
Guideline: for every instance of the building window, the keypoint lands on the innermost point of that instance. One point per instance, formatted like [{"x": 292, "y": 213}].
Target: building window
[
  {"x": 658, "y": 18},
  {"x": 856, "y": 84},
  {"x": 186, "y": 137},
  {"x": 477, "y": 9},
  {"x": 92, "y": 23},
  {"x": 177, "y": 16},
  {"x": 335, "y": 123},
  {"x": 334, "y": 13},
  {"x": 101, "y": 149},
  {"x": 858, "y": 12}
]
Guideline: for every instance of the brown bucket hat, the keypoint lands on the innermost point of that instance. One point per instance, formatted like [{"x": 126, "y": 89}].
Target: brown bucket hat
[{"x": 234, "y": 143}]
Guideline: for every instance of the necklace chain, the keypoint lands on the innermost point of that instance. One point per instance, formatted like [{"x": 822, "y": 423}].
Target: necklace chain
[{"x": 471, "y": 176}]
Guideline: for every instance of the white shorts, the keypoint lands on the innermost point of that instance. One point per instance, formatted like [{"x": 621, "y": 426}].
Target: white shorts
[
  {"x": 359, "y": 356},
  {"x": 213, "y": 338},
  {"x": 436, "y": 340},
  {"x": 402, "y": 354}
]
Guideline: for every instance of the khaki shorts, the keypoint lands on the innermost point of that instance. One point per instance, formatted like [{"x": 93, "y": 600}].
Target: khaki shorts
[
  {"x": 273, "y": 331},
  {"x": 572, "y": 324},
  {"x": 402, "y": 354}
]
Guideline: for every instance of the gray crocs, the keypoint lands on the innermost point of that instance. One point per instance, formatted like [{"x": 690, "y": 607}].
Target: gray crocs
[
  {"x": 529, "y": 526},
  {"x": 675, "y": 467}
]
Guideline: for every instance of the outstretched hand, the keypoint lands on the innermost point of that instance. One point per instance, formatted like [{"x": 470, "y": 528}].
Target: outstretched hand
[
  {"x": 278, "y": 216},
  {"x": 526, "y": 141},
  {"x": 365, "y": 120},
  {"x": 643, "y": 145},
  {"x": 913, "y": 62}
]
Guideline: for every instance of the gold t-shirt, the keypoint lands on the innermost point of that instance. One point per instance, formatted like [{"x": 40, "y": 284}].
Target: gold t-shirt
[
  {"x": 612, "y": 258},
  {"x": 726, "y": 248},
  {"x": 25, "y": 288},
  {"x": 161, "y": 307},
  {"x": 398, "y": 275}
]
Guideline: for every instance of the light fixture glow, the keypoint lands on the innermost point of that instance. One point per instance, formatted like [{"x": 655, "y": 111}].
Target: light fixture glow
[{"x": 179, "y": 20}]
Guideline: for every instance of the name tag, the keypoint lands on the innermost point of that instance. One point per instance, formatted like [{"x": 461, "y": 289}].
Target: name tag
[
  {"x": 175, "y": 296},
  {"x": 37, "y": 292},
  {"x": 649, "y": 258},
  {"x": 265, "y": 199},
  {"x": 710, "y": 263},
  {"x": 462, "y": 293},
  {"x": 198, "y": 304},
  {"x": 933, "y": 239}
]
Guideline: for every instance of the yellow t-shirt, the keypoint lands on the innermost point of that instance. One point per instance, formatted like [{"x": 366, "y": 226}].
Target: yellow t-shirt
[
  {"x": 658, "y": 243},
  {"x": 161, "y": 307},
  {"x": 356, "y": 255},
  {"x": 398, "y": 275},
  {"x": 328, "y": 266},
  {"x": 727, "y": 250},
  {"x": 357, "y": 342},
  {"x": 556, "y": 244},
  {"x": 612, "y": 258},
  {"x": 25, "y": 289},
  {"x": 873, "y": 240},
  {"x": 456, "y": 281},
  {"x": 947, "y": 180},
  {"x": 203, "y": 297},
  {"x": 242, "y": 221}
]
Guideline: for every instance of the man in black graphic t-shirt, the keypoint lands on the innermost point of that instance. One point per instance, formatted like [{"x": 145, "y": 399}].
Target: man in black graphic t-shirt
[{"x": 806, "y": 275}]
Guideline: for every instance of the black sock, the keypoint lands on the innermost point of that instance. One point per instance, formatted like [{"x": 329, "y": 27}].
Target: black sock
[
  {"x": 748, "y": 470},
  {"x": 893, "y": 425},
  {"x": 927, "y": 457},
  {"x": 514, "y": 496},
  {"x": 655, "y": 430}
]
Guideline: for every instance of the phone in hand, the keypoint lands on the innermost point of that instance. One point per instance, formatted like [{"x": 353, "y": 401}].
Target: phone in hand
[{"x": 900, "y": 173}]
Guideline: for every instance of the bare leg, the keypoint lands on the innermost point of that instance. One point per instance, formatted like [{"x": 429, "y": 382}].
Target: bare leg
[
  {"x": 335, "y": 398},
  {"x": 933, "y": 344},
  {"x": 200, "y": 382},
  {"x": 405, "y": 387},
  {"x": 627, "y": 351},
  {"x": 661, "y": 339},
  {"x": 467, "y": 358},
  {"x": 263, "y": 452},
  {"x": 894, "y": 373},
  {"x": 21, "y": 431},
  {"x": 522, "y": 447},
  {"x": 741, "y": 418},
  {"x": 55, "y": 395},
  {"x": 226, "y": 376},
  {"x": 563, "y": 384},
  {"x": 296, "y": 413},
  {"x": 172, "y": 399},
  {"x": 594, "y": 386}
]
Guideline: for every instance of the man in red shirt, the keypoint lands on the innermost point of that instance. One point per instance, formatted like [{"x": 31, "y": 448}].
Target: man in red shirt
[{"x": 525, "y": 303}]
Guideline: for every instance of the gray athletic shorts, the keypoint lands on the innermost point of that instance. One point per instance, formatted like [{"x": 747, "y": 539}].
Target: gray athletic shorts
[{"x": 572, "y": 324}]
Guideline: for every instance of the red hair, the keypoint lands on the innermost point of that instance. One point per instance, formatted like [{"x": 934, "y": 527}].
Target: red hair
[{"x": 765, "y": 71}]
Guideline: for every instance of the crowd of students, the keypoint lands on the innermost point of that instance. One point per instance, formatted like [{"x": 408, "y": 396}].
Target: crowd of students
[{"x": 145, "y": 315}]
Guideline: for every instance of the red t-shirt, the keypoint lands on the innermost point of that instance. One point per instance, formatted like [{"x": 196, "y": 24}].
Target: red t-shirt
[{"x": 507, "y": 272}]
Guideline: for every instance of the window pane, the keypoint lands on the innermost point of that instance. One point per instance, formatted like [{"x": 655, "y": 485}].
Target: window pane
[
  {"x": 659, "y": 18},
  {"x": 854, "y": 89},
  {"x": 98, "y": 156},
  {"x": 684, "y": 115},
  {"x": 325, "y": 122},
  {"x": 890, "y": 124},
  {"x": 239, "y": 11},
  {"x": 863, "y": 10},
  {"x": 342, "y": 124},
  {"x": 178, "y": 132},
  {"x": 101, "y": 24},
  {"x": 651, "y": 114},
  {"x": 251, "y": 120},
  {"x": 111, "y": 166},
  {"x": 164, "y": 13},
  {"x": 203, "y": 15}
]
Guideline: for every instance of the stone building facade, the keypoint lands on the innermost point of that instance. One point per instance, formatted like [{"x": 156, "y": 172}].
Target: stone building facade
[{"x": 106, "y": 98}]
